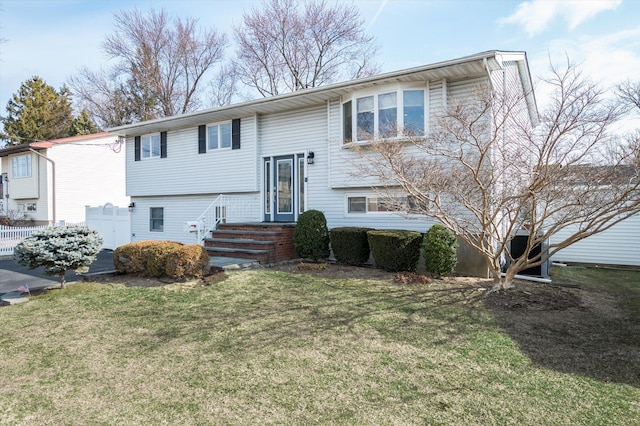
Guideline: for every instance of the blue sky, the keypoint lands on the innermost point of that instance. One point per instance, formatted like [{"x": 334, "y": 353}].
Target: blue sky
[{"x": 54, "y": 38}]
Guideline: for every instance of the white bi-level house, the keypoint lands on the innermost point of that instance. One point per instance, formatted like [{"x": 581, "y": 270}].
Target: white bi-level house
[{"x": 269, "y": 160}]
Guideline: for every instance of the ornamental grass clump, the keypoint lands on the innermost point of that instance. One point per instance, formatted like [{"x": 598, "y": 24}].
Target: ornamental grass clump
[{"x": 59, "y": 249}]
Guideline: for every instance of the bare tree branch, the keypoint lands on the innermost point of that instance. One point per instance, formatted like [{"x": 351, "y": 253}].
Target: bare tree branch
[
  {"x": 282, "y": 49},
  {"x": 485, "y": 173},
  {"x": 160, "y": 66}
]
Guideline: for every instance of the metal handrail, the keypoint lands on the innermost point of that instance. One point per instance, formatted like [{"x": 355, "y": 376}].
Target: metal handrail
[{"x": 228, "y": 209}]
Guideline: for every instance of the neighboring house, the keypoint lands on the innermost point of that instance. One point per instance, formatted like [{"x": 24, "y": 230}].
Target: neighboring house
[
  {"x": 88, "y": 170},
  {"x": 618, "y": 245},
  {"x": 271, "y": 159}
]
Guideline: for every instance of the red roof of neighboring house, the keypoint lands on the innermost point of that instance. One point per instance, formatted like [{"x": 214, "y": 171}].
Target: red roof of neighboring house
[{"x": 48, "y": 144}]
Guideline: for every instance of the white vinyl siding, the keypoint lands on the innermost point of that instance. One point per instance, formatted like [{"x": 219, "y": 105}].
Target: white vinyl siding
[
  {"x": 619, "y": 245},
  {"x": 185, "y": 171}
]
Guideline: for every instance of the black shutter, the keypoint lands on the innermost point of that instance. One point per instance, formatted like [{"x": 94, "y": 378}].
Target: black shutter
[
  {"x": 235, "y": 134},
  {"x": 163, "y": 144},
  {"x": 202, "y": 139},
  {"x": 137, "y": 148}
]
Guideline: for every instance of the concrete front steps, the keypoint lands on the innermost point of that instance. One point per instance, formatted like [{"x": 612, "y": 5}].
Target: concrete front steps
[{"x": 266, "y": 242}]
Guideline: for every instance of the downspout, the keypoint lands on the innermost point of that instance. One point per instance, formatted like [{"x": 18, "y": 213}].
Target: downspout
[{"x": 53, "y": 182}]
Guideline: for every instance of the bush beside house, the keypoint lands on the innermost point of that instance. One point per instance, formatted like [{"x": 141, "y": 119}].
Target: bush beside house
[
  {"x": 161, "y": 258},
  {"x": 311, "y": 236},
  {"x": 395, "y": 250},
  {"x": 350, "y": 245}
]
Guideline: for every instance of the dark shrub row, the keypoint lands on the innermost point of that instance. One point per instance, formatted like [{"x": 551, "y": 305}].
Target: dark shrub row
[
  {"x": 161, "y": 258},
  {"x": 393, "y": 250},
  {"x": 350, "y": 245}
]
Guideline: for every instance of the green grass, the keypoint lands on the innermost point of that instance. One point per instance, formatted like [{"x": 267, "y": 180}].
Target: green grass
[{"x": 303, "y": 348}]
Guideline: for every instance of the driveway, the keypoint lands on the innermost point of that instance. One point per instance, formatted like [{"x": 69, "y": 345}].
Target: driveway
[{"x": 13, "y": 275}]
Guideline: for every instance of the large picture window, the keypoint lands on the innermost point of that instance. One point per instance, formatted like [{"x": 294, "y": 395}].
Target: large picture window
[
  {"x": 384, "y": 115},
  {"x": 21, "y": 166},
  {"x": 150, "y": 145},
  {"x": 219, "y": 136}
]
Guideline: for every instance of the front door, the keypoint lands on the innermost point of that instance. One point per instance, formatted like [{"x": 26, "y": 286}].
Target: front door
[
  {"x": 284, "y": 184},
  {"x": 284, "y": 195}
]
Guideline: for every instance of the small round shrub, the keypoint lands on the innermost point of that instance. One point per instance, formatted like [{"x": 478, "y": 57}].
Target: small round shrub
[
  {"x": 157, "y": 255},
  {"x": 440, "y": 247},
  {"x": 350, "y": 245},
  {"x": 311, "y": 236},
  {"x": 187, "y": 261},
  {"x": 146, "y": 258},
  {"x": 395, "y": 250}
]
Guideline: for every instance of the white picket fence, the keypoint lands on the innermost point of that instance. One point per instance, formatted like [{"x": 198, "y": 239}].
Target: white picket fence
[{"x": 10, "y": 236}]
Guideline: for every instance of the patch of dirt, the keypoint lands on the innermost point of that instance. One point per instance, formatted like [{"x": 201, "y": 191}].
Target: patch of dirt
[{"x": 535, "y": 297}]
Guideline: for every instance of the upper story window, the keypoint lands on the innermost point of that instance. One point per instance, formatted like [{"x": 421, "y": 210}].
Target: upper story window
[
  {"x": 384, "y": 115},
  {"x": 219, "y": 136},
  {"x": 21, "y": 166},
  {"x": 150, "y": 145}
]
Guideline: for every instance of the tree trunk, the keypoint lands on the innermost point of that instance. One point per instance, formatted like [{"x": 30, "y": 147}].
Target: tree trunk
[
  {"x": 502, "y": 283},
  {"x": 62, "y": 281}
]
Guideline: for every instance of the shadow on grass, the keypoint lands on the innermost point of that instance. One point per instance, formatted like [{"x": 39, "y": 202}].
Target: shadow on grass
[
  {"x": 284, "y": 311},
  {"x": 585, "y": 331}
]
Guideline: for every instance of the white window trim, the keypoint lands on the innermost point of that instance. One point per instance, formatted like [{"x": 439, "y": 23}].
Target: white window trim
[
  {"x": 151, "y": 220},
  {"x": 29, "y": 166},
  {"x": 219, "y": 147},
  {"x": 399, "y": 90},
  {"x": 367, "y": 196},
  {"x": 150, "y": 137}
]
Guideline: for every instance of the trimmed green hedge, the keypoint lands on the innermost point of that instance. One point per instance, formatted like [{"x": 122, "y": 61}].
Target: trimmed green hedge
[
  {"x": 161, "y": 258},
  {"x": 311, "y": 236},
  {"x": 395, "y": 250},
  {"x": 350, "y": 245},
  {"x": 440, "y": 251}
]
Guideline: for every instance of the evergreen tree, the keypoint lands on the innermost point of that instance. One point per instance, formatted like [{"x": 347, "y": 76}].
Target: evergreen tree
[
  {"x": 83, "y": 124},
  {"x": 38, "y": 112}
]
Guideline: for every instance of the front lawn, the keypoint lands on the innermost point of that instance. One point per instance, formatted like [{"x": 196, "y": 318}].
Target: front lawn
[{"x": 341, "y": 346}]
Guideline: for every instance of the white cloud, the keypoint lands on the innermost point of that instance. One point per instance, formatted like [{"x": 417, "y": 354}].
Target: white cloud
[
  {"x": 536, "y": 15},
  {"x": 608, "y": 60}
]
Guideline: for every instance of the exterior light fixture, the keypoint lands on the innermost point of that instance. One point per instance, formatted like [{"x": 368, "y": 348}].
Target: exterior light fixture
[
  {"x": 310, "y": 156},
  {"x": 132, "y": 205}
]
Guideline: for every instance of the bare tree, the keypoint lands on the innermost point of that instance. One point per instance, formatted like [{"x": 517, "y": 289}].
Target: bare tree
[
  {"x": 485, "y": 174},
  {"x": 161, "y": 64},
  {"x": 629, "y": 93},
  {"x": 222, "y": 88},
  {"x": 283, "y": 49}
]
